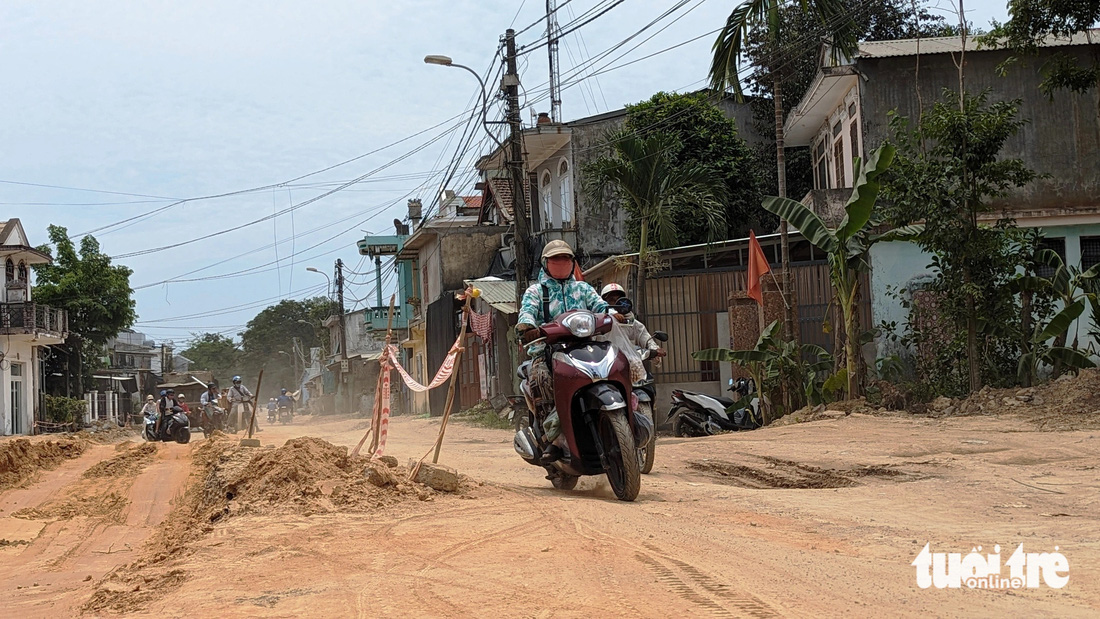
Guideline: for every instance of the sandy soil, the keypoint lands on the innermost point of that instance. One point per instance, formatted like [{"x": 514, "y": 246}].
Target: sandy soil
[{"x": 812, "y": 519}]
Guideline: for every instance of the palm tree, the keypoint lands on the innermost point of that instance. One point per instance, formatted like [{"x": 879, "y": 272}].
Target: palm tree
[
  {"x": 728, "y": 51},
  {"x": 643, "y": 175}
]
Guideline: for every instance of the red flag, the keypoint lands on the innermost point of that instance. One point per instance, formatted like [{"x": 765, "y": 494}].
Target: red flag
[
  {"x": 758, "y": 267},
  {"x": 577, "y": 274}
]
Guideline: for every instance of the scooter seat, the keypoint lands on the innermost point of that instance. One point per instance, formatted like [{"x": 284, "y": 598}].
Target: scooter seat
[{"x": 725, "y": 401}]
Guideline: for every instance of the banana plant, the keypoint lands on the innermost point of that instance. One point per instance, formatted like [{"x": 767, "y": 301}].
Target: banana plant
[
  {"x": 772, "y": 359},
  {"x": 848, "y": 246},
  {"x": 1048, "y": 342}
]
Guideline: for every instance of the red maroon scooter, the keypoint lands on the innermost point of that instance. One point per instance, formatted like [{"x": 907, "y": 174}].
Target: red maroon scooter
[{"x": 595, "y": 403}]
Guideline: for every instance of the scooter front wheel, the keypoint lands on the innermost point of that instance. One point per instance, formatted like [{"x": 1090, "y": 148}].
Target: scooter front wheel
[{"x": 622, "y": 456}]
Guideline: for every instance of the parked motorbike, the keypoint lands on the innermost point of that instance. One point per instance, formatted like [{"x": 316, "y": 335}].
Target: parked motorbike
[
  {"x": 174, "y": 427},
  {"x": 285, "y": 414},
  {"x": 698, "y": 414},
  {"x": 645, "y": 392},
  {"x": 598, "y": 427}
]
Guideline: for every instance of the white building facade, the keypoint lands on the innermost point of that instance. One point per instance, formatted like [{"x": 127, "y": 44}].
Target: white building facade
[{"x": 25, "y": 328}]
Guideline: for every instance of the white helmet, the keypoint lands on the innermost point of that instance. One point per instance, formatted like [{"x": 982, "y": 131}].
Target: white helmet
[{"x": 612, "y": 288}]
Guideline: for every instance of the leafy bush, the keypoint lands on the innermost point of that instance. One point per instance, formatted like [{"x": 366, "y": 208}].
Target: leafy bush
[{"x": 60, "y": 409}]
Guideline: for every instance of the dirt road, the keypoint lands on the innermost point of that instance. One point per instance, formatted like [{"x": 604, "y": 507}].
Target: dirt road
[{"x": 814, "y": 519}]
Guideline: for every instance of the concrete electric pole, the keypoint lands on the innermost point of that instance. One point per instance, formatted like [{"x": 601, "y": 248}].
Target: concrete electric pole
[{"x": 515, "y": 166}]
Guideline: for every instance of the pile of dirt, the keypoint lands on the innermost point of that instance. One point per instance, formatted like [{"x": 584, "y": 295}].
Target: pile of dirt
[
  {"x": 104, "y": 432},
  {"x": 305, "y": 476},
  {"x": 130, "y": 461},
  {"x": 21, "y": 459},
  {"x": 127, "y": 592},
  {"x": 308, "y": 476},
  {"x": 1072, "y": 402}
]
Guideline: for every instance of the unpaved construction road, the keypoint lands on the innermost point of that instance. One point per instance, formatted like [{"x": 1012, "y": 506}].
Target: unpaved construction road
[{"x": 815, "y": 520}]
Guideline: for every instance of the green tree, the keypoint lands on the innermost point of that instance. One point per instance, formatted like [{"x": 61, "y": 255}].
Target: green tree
[
  {"x": 848, "y": 246},
  {"x": 652, "y": 188},
  {"x": 948, "y": 170},
  {"x": 273, "y": 330},
  {"x": 1032, "y": 21},
  {"x": 215, "y": 353},
  {"x": 794, "y": 60},
  {"x": 97, "y": 297},
  {"x": 704, "y": 137},
  {"x": 729, "y": 50}
]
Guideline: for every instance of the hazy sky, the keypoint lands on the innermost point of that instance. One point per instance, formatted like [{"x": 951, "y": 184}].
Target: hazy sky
[{"x": 167, "y": 101}]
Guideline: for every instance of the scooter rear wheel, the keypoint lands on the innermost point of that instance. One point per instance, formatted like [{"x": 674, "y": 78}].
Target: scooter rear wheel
[
  {"x": 647, "y": 454},
  {"x": 183, "y": 436},
  {"x": 622, "y": 457}
]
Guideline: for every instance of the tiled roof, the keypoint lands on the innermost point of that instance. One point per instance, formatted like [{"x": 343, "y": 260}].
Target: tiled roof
[
  {"x": 472, "y": 201},
  {"x": 501, "y": 188}
]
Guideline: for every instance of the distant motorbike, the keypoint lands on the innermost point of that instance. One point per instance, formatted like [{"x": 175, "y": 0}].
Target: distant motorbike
[
  {"x": 174, "y": 427},
  {"x": 271, "y": 413},
  {"x": 646, "y": 393},
  {"x": 285, "y": 414},
  {"x": 698, "y": 414},
  {"x": 592, "y": 389}
]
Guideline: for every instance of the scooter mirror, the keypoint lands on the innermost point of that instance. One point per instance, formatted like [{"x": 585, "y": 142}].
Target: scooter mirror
[
  {"x": 660, "y": 336},
  {"x": 624, "y": 306}
]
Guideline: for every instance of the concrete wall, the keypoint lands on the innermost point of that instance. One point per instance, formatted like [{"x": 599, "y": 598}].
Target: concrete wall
[
  {"x": 466, "y": 254},
  {"x": 601, "y": 224},
  {"x": 741, "y": 113},
  {"x": 899, "y": 264},
  {"x": 1062, "y": 138}
]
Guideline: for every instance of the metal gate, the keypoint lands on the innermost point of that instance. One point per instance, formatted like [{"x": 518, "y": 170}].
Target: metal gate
[
  {"x": 687, "y": 305},
  {"x": 469, "y": 376}
]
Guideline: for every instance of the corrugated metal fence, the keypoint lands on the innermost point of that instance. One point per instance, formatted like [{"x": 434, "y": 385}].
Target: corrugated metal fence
[{"x": 687, "y": 306}]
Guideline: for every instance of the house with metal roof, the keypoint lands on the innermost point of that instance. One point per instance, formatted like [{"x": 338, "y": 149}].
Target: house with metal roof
[{"x": 845, "y": 114}]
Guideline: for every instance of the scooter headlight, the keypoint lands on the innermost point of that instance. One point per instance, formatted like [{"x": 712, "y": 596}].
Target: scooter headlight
[{"x": 581, "y": 324}]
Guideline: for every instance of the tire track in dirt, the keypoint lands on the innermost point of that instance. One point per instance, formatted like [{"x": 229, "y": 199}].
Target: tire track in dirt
[
  {"x": 129, "y": 488},
  {"x": 746, "y": 603}
]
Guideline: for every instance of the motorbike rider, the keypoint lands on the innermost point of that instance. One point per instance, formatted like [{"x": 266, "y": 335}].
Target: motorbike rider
[
  {"x": 167, "y": 401},
  {"x": 239, "y": 398},
  {"x": 613, "y": 294},
  {"x": 556, "y": 292},
  {"x": 207, "y": 401},
  {"x": 271, "y": 406},
  {"x": 285, "y": 401},
  {"x": 150, "y": 408}
]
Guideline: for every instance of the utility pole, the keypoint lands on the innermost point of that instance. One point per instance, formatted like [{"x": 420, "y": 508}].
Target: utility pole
[
  {"x": 515, "y": 166},
  {"x": 378, "y": 280},
  {"x": 340, "y": 301},
  {"x": 555, "y": 66}
]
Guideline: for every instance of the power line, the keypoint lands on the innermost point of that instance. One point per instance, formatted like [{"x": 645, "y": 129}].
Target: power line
[
  {"x": 284, "y": 211},
  {"x": 252, "y": 189}
]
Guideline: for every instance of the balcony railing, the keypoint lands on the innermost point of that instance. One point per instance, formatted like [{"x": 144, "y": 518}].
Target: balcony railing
[
  {"x": 32, "y": 318},
  {"x": 378, "y": 317}
]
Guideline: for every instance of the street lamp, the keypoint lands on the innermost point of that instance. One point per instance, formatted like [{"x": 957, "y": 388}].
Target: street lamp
[
  {"x": 446, "y": 61},
  {"x": 328, "y": 291}
]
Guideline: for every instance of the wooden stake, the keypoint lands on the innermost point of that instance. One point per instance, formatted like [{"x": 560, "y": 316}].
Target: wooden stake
[{"x": 252, "y": 419}]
